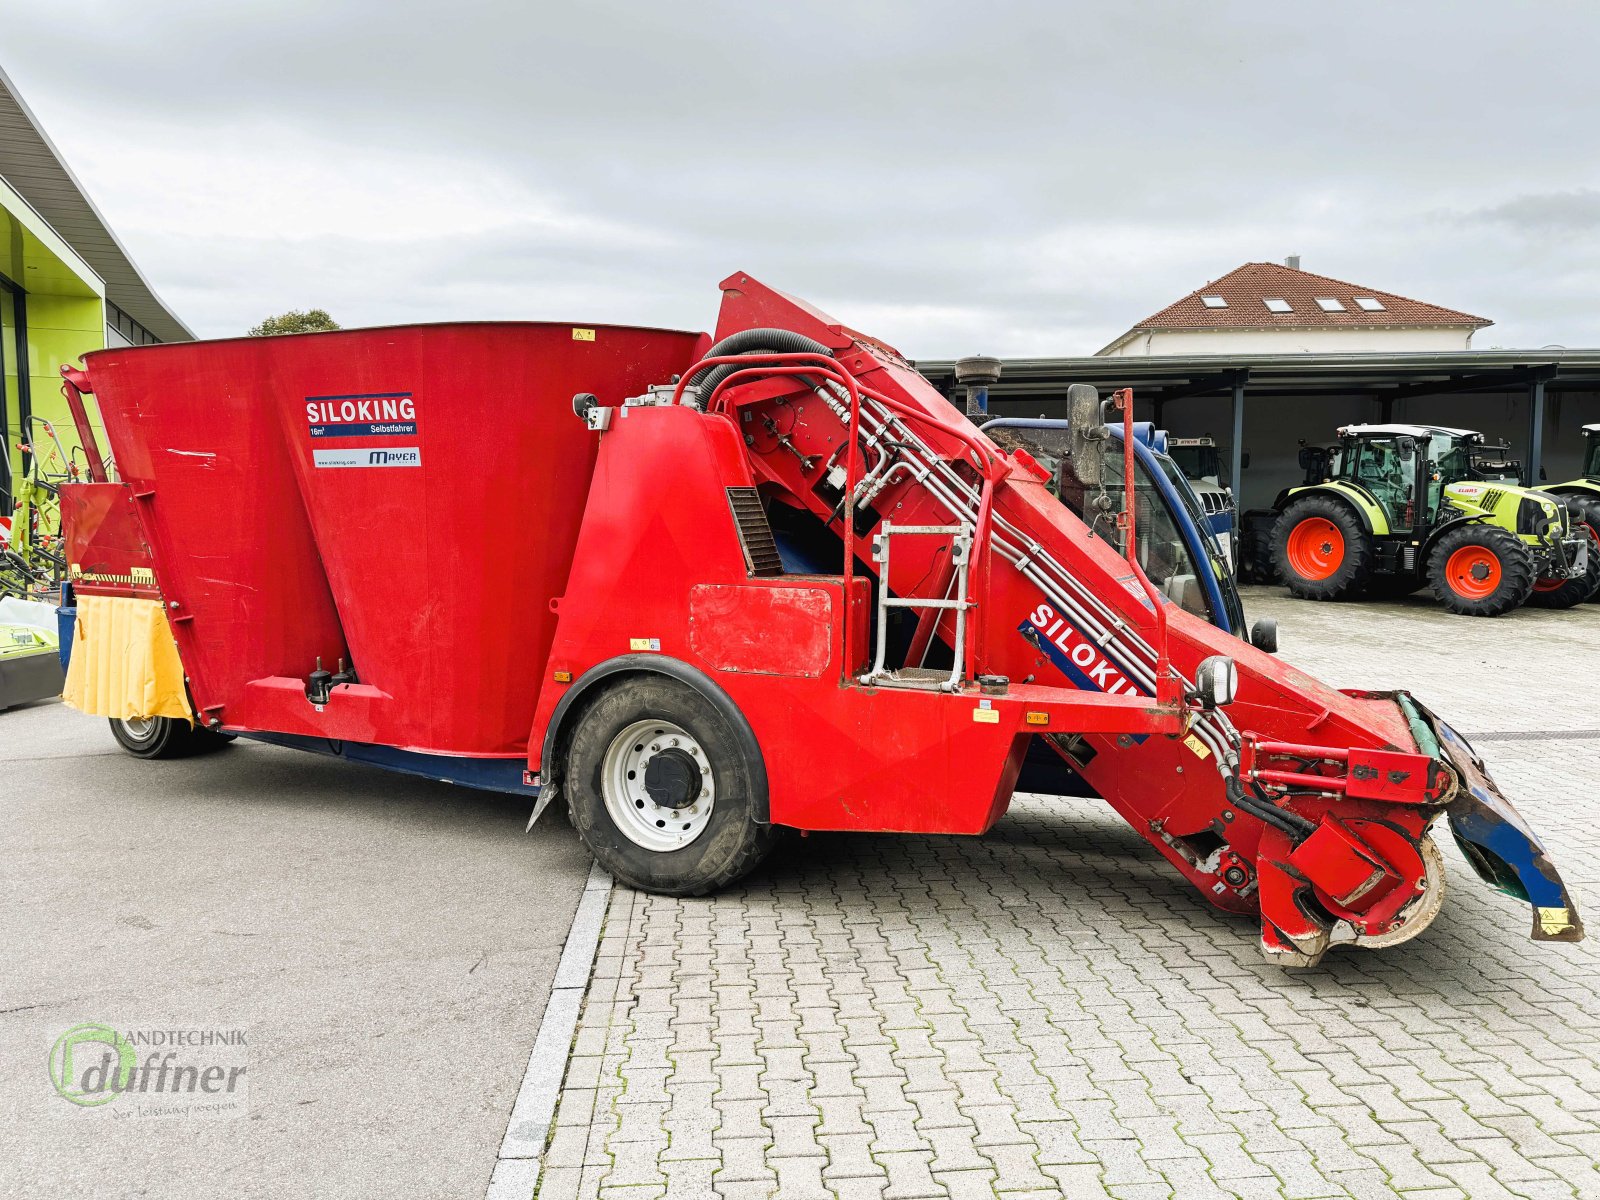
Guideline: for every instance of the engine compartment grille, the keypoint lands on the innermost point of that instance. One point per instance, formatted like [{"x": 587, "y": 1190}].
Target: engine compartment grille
[{"x": 755, "y": 534}]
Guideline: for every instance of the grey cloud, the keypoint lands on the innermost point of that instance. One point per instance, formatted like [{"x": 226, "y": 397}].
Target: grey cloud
[
  {"x": 1536, "y": 215},
  {"x": 1022, "y": 177}
]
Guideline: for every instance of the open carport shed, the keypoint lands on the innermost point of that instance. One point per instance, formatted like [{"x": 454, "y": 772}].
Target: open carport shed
[{"x": 1262, "y": 408}]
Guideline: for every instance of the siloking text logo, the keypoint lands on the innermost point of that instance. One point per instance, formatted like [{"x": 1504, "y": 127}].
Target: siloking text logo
[{"x": 154, "y": 1072}]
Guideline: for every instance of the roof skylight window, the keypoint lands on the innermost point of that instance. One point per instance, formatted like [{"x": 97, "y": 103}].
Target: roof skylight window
[
  {"x": 1213, "y": 301},
  {"x": 1329, "y": 304},
  {"x": 1277, "y": 304},
  {"x": 1369, "y": 304}
]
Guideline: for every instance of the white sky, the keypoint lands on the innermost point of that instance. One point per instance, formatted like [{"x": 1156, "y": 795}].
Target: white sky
[{"x": 1007, "y": 178}]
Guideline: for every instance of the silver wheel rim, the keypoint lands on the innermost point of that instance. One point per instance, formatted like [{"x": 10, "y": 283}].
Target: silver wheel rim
[
  {"x": 632, "y": 810},
  {"x": 140, "y": 729}
]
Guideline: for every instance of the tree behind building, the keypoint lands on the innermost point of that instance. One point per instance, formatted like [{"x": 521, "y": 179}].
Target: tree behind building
[{"x": 313, "y": 320}]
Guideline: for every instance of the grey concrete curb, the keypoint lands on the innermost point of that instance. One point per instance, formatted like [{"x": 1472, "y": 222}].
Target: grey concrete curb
[{"x": 516, "y": 1169}]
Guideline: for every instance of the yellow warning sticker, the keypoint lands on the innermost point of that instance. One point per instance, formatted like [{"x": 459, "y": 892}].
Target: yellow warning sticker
[
  {"x": 1199, "y": 747},
  {"x": 644, "y": 643},
  {"x": 583, "y": 335},
  {"x": 986, "y": 716},
  {"x": 1554, "y": 920}
]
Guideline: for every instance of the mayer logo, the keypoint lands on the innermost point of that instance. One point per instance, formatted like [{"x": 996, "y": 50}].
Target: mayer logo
[
  {"x": 1080, "y": 659},
  {"x": 367, "y": 456}
]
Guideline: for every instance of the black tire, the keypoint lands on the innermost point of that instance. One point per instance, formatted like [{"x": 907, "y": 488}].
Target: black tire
[
  {"x": 728, "y": 844},
  {"x": 165, "y": 737},
  {"x": 1569, "y": 593},
  {"x": 1586, "y": 511},
  {"x": 1354, "y": 564},
  {"x": 1255, "y": 546},
  {"x": 1514, "y": 562}
]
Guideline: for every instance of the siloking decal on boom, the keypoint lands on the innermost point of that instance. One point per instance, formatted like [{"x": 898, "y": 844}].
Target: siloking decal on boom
[{"x": 1079, "y": 659}]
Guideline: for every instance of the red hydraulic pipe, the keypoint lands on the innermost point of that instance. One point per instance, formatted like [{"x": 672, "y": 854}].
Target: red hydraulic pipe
[
  {"x": 1124, "y": 400},
  {"x": 779, "y": 357},
  {"x": 75, "y": 384},
  {"x": 744, "y": 375},
  {"x": 1296, "y": 750},
  {"x": 852, "y": 456}
]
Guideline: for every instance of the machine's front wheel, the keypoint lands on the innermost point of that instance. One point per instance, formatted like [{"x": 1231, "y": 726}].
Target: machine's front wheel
[
  {"x": 1320, "y": 549},
  {"x": 164, "y": 737},
  {"x": 1480, "y": 571},
  {"x": 661, "y": 791}
]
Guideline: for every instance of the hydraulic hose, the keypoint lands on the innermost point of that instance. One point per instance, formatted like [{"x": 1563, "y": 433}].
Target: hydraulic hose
[
  {"x": 750, "y": 341},
  {"x": 1259, "y": 807}
]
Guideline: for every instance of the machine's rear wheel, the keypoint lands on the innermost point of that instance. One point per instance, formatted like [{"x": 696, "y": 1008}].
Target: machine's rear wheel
[
  {"x": 661, "y": 791},
  {"x": 164, "y": 737},
  {"x": 1320, "y": 549},
  {"x": 1480, "y": 571},
  {"x": 1569, "y": 593}
]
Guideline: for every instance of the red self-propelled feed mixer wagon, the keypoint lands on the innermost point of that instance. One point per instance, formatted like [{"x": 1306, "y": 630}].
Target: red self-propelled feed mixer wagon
[{"x": 700, "y": 588}]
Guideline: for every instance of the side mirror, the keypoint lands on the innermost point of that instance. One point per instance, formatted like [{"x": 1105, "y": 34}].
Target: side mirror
[
  {"x": 1308, "y": 457},
  {"x": 1264, "y": 635},
  {"x": 1244, "y": 461},
  {"x": 1216, "y": 682},
  {"x": 1088, "y": 434}
]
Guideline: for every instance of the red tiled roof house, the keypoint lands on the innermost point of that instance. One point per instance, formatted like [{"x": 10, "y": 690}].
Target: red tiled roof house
[{"x": 1265, "y": 308}]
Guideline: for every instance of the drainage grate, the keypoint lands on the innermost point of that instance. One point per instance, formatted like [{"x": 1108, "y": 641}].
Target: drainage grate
[{"x": 1544, "y": 735}]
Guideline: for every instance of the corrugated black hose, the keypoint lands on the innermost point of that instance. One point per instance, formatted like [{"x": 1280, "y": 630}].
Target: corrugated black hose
[{"x": 750, "y": 341}]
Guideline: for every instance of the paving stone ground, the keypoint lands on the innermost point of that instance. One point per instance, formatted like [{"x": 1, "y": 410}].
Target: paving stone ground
[{"x": 1050, "y": 1011}]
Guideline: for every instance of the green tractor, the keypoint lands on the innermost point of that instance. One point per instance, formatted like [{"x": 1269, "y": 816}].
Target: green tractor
[
  {"x": 1392, "y": 508},
  {"x": 1582, "y": 495}
]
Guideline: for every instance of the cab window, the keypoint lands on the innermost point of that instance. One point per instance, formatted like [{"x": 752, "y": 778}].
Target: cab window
[
  {"x": 1386, "y": 467},
  {"x": 1161, "y": 550}
]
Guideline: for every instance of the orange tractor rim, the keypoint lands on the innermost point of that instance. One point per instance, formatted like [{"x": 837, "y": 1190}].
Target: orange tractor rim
[
  {"x": 1315, "y": 548},
  {"x": 1473, "y": 572}
]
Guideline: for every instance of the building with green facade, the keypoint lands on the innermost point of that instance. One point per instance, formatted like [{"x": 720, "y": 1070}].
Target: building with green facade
[{"x": 67, "y": 286}]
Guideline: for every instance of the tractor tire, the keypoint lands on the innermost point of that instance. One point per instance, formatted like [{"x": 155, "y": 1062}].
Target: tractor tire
[
  {"x": 1321, "y": 550},
  {"x": 1586, "y": 511},
  {"x": 1255, "y": 547},
  {"x": 661, "y": 791},
  {"x": 165, "y": 737},
  {"x": 1569, "y": 593},
  {"x": 1480, "y": 571}
]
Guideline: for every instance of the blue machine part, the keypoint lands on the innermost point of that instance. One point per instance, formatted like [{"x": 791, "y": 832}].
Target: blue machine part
[
  {"x": 66, "y": 626},
  {"x": 1500, "y": 845},
  {"x": 485, "y": 774},
  {"x": 1147, "y": 434}
]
